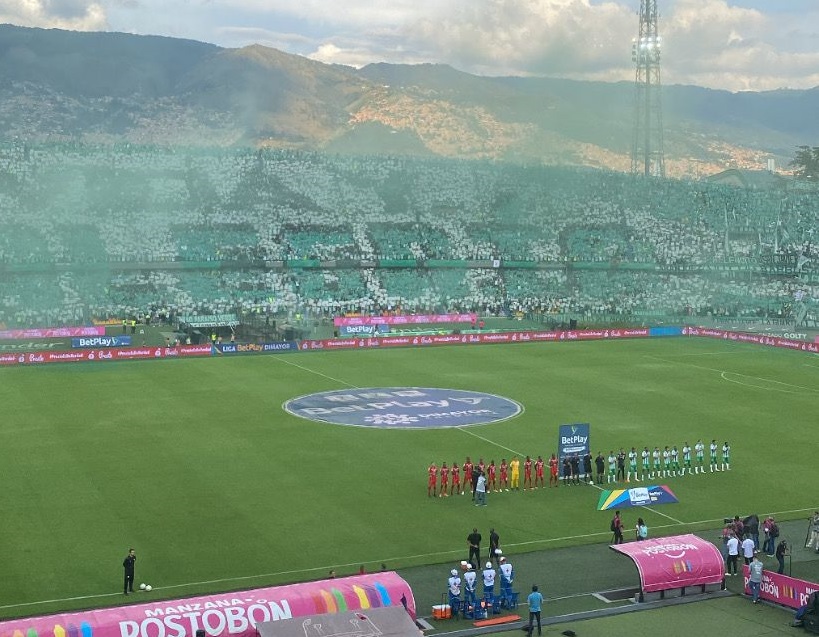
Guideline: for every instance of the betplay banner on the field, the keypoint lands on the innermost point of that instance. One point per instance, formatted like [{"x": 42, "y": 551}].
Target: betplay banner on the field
[{"x": 636, "y": 497}]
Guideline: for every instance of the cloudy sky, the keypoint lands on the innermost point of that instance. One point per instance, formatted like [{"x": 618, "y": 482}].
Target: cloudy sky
[{"x": 729, "y": 44}]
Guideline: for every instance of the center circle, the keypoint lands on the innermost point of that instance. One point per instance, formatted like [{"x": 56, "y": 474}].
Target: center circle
[{"x": 403, "y": 407}]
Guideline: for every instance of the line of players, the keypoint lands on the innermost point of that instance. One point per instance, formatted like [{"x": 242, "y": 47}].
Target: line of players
[
  {"x": 506, "y": 476},
  {"x": 665, "y": 463},
  {"x": 502, "y": 477}
]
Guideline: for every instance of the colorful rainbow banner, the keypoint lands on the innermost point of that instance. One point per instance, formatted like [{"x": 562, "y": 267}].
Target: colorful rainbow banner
[
  {"x": 637, "y": 497},
  {"x": 227, "y": 615}
]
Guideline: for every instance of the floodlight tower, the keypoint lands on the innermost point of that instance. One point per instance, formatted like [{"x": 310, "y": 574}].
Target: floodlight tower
[{"x": 647, "y": 155}]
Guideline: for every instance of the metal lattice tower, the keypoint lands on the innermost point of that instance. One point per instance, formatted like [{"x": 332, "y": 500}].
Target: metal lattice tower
[{"x": 647, "y": 155}]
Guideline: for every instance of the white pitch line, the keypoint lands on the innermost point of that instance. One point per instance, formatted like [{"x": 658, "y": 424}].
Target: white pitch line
[
  {"x": 487, "y": 440},
  {"x": 667, "y": 516},
  {"x": 725, "y": 371},
  {"x": 396, "y": 559},
  {"x": 60, "y": 601},
  {"x": 773, "y": 513},
  {"x": 708, "y": 354},
  {"x": 283, "y": 359},
  {"x": 763, "y": 387},
  {"x": 770, "y": 380}
]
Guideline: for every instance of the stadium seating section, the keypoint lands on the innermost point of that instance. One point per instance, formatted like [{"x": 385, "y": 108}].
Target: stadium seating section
[{"x": 109, "y": 231}]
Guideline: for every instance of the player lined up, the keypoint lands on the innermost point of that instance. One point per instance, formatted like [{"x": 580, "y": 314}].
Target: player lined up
[
  {"x": 456, "y": 479},
  {"x": 663, "y": 463},
  {"x": 501, "y": 477}
]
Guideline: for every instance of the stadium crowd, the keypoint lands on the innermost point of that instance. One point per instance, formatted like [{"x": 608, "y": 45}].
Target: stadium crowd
[{"x": 107, "y": 231}]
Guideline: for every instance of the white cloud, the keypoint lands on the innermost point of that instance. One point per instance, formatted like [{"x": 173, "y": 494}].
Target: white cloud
[
  {"x": 715, "y": 43},
  {"x": 351, "y": 53},
  {"x": 76, "y": 15},
  {"x": 341, "y": 13},
  {"x": 552, "y": 37}
]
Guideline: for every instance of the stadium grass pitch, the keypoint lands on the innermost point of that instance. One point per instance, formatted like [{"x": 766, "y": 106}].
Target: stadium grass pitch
[
  {"x": 195, "y": 464},
  {"x": 732, "y": 614}
]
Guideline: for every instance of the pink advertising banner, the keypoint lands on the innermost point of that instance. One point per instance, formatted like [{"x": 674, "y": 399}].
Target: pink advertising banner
[
  {"x": 674, "y": 562},
  {"x": 472, "y": 339},
  {"x": 231, "y": 614},
  {"x": 53, "y": 332},
  {"x": 102, "y": 355},
  {"x": 757, "y": 339},
  {"x": 782, "y": 589},
  {"x": 404, "y": 319}
]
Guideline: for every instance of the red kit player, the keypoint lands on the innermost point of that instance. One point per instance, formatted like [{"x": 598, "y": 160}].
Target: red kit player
[
  {"x": 432, "y": 484},
  {"x": 553, "y": 470},
  {"x": 491, "y": 477},
  {"x": 539, "y": 472},
  {"x": 527, "y": 473},
  {"x": 504, "y": 475},
  {"x": 444, "y": 480},
  {"x": 468, "y": 474},
  {"x": 456, "y": 479}
]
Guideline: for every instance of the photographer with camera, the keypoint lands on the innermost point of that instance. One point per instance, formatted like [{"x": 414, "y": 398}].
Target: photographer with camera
[
  {"x": 813, "y": 541},
  {"x": 771, "y": 530},
  {"x": 781, "y": 552}
]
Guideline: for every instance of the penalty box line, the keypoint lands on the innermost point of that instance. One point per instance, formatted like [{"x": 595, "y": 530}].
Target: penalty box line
[{"x": 723, "y": 372}]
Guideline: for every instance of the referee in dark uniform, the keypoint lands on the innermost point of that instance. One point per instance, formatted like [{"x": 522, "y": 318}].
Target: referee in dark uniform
[
  {"x": 128, "y": 564},
  {"x": 473, "y": 540}
]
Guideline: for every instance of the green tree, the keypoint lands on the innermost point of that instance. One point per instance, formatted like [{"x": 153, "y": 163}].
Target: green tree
[{"x": 806, "y": 162}]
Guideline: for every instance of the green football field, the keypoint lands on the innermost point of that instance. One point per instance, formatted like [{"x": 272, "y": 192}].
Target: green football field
[
  {"x": 732, "y": 615},
  {"x": 195, "y": 464}
]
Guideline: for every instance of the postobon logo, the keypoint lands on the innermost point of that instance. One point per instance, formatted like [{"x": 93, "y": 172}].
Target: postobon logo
[
  {"x": 404, "y": 407},
  {"x": 222, "y": 616},
  {"x": 233, "y": 620}
]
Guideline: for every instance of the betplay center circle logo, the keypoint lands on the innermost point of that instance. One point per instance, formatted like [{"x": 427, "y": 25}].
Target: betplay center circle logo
[{"x": 403, "y": 407}]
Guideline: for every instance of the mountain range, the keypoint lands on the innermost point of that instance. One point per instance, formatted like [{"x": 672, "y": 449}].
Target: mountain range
[{"x": 114, "y": 87}]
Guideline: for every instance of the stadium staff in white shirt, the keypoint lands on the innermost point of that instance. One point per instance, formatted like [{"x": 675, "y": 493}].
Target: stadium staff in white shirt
[
  {"x": 454, "y": 584},
  {"x": 733, "y": 554},
  {"x": 748, "y": 549},
  {"x": 507, "y": 576},
  {"x": 489, "y": 579},
  {"x": 470, "y": 578}
]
